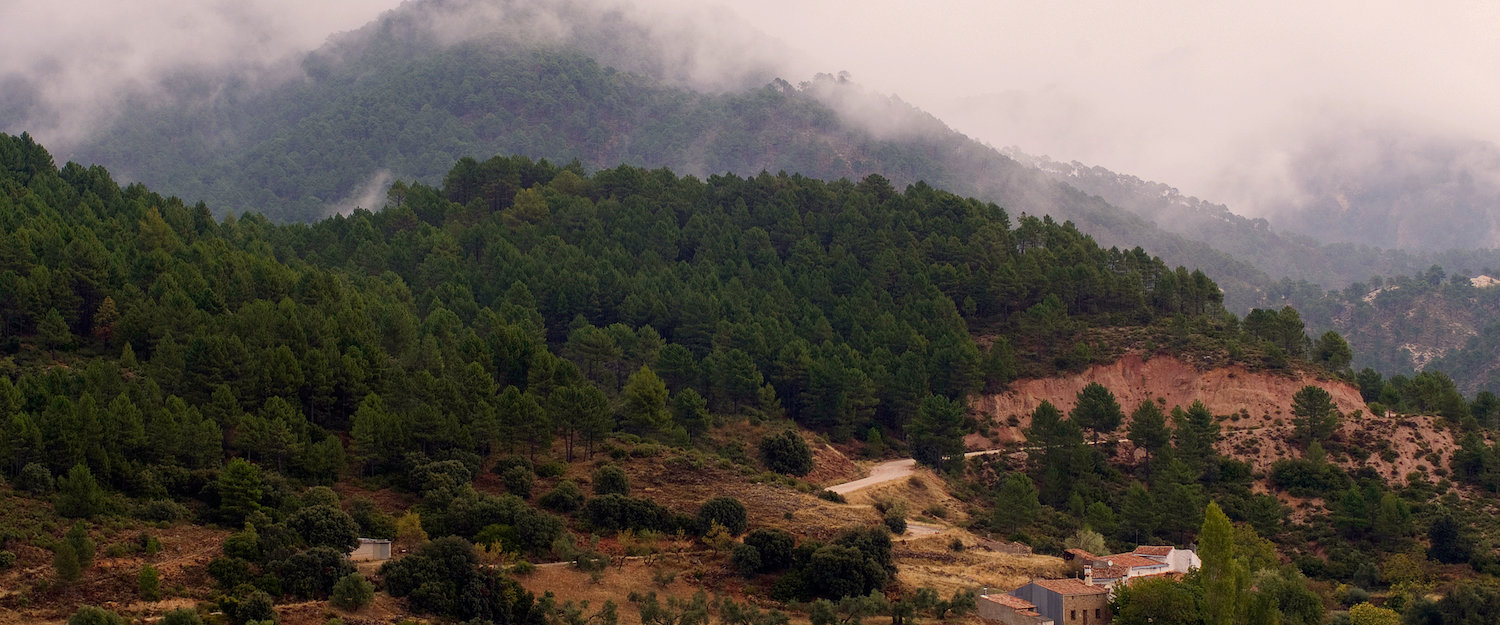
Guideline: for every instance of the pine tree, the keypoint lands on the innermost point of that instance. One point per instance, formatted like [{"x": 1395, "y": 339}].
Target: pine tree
[
  {"x": 645, "y": 399},
  {"x": 1315, "y": 418},
  {"x": 78, "y": 494},
  {"x": 1148, "y": 428},
  {"x": 1097, "y": 410}
]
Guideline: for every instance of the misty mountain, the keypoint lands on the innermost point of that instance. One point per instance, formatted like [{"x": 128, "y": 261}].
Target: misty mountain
[
  {"x": 409, "y": 94},
  {"x": 1270, "y": 248},
  {"x": 1390, "y": 186}
]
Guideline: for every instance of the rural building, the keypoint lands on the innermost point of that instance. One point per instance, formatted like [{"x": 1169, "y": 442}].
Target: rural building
[
  {"x": 1145, "y": 561},
  {"x": 1067, "y": 601},
  {"x": 371, "y": 550},
  {"x": 1009, "y": 610}
]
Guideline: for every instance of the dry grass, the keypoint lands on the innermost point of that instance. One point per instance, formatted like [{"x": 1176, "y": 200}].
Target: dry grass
[{"x": 930, "y": 561}]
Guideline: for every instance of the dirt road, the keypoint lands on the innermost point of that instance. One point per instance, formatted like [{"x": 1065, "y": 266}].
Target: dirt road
[{"x": 891, "y": 471}]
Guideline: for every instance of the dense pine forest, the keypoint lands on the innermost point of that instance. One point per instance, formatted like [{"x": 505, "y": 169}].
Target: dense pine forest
[{"x": 165, "y": 365}]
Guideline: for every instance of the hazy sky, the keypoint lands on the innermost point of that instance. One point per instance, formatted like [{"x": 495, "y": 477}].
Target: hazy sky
[{"x": 1209, "y": 97}]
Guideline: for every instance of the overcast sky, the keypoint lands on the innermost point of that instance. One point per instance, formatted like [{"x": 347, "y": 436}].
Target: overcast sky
[{"x": 1205, "y": 96}]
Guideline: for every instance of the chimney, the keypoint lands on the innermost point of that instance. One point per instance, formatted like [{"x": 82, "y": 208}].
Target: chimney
[{"x": 1088, "y": 574}]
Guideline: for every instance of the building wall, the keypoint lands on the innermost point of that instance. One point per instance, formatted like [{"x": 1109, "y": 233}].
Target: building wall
[
  {"x": 1048, "y": 603},
  {"x": 990, "y": 610},
  {"x": 1082, "y": 610},
  {"x": 1181, "y": 560}
]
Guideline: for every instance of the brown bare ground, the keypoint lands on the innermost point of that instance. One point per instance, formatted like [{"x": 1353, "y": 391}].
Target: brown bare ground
[{"x": 1227, "y": 390}]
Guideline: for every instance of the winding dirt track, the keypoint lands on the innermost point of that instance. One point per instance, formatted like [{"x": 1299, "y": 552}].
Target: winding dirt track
[{"x": 892, "y": 470}]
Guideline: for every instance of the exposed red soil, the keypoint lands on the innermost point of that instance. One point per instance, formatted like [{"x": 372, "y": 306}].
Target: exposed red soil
[{"x": 1259, "y": 397}]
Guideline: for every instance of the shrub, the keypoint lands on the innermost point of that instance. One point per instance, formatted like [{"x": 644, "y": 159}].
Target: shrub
[
  {"x": 313, "y": 573},
  {"x": 507, "y": 463},
  {"x": 148, "y": 582},
  {"x": 786, "y": 453},
  {"x": 161, "y": 511},
  {"x": 35, "y": 479},
  {"x": 611, "y": 480},
  {"x": 895, "y": 520},
  {"x": 564, "y": 498},
  {"x": 551, "y": 469},
  {"x": 257, "y": 606},
  {"x": 828, "y": 495},
  {"x": 65, "y": 563},
  {"x": 352, "y": 592},
  {"x": 775, "y": 547},
  {"x": 726, "y": 511},
  {"x": 518, "y": 480},
  {"x": 325, "y": 526},
  {"x": 91, "y": 615},
  {"x": 83, "y": 546},
  {"x": 373, "y": 523},
  {"x": 180, "y": 616},
  {"x": 746, "y": 559},
  {"x": 7, "y": 559},
  {"x": 612, "y": 513}
]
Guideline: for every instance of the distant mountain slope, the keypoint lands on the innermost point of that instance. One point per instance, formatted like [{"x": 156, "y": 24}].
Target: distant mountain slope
[
  {"x": 1273, "y": 250},
  {"x": 397, "y": 101}
]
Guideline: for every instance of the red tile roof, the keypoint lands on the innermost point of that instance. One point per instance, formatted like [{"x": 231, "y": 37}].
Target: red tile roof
[
  {"x": 1079, "y": 553},
  {"x": 1011, "y": 601},
  {"x": 1153, "y": 550},
  {"x": 1132, "y": 560},
  {"x": 1110, "y": 572},
  {"x": 1070, "y": 587}
]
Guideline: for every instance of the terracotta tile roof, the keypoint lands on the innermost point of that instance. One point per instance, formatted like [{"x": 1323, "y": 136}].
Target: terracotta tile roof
[
  {"x": 1132, "y": 560},
  {"x": 1070, "y": 587},
  {"x": 1110, "y": 572},
  {"x": 1153, "y": 550},
  {"x": 1079, "y": 553},
  {"x": 1011, "y": 601}
]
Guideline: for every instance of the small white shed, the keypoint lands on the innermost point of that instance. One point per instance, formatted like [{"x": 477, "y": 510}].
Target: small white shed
[{"x": 371, "y": 550}]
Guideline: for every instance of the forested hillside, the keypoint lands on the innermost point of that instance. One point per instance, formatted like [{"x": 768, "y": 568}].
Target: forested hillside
[
  {"x": 163, "y": 364},
  {"x": 397, "y": 100}
]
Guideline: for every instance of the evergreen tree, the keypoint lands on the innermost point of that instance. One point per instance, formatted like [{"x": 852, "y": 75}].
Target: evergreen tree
[
  {"x": 935, "y": 434},
  {"x": 239, "y": 490},
  {"x": 1315, "y": 418},
  {"x": 1148, "y": 428},
  {"x": 78, "y": 494},
  {"x": 1016, "y": 503},
  {"x": 645, "y": 402},
  {"x": 1096, "y": 410}
]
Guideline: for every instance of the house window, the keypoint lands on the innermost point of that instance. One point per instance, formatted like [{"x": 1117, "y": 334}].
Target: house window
[
  {"x": 1072, "y": 615},
  {"x": 1096, "y": 612}
]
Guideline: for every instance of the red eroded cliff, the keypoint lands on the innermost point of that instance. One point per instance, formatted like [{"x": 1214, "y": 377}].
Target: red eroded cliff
[{"x": 1256, "y": 398}]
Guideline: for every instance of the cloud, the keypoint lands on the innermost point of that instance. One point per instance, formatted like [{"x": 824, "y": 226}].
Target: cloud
[{"x": 68, "y": 65}]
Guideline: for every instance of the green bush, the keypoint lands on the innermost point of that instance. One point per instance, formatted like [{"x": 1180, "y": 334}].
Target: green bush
[
  {"x": 726, "y": 511},
  {"x": 612, "y": 513},
  {"x": 313, "y": 573},
  {"x": 325, "y": 526},
  {"x": 566, "y": 497},
  {"x": 180, "y": 616},
  {"x": 352, "y": 592},
  {"x": 256, "y": 606},
  {"x": 7, "y": 559},
  {"x": 786, "y": 453},
  {"x": 506, "y": 463},
  {"x": 148, "y": 583},
  {"x": 551, "y": 469},
  {"x": 518, "y": 480},
  {"x": 775, "y": 547},
  {"x": 91, "y": 615},
  {"x": 828, "y": 495},
  {"x": 35, "y": 479},
  {"x": 611, "y": 480}
]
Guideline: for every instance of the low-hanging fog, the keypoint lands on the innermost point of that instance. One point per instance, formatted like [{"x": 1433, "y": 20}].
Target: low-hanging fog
[{"x": 1265, "y": 107}]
